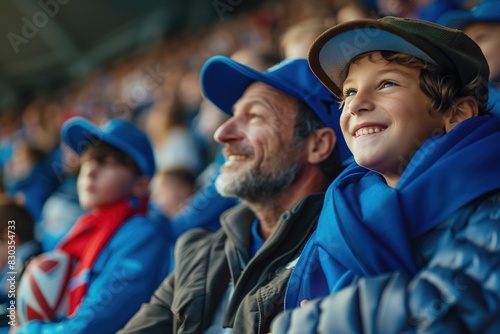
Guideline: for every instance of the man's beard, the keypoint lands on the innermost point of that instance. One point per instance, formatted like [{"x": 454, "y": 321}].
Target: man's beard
[{"x": 255, "y": 185}]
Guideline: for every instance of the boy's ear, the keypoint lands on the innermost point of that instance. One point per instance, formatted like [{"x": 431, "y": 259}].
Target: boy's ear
[
  {"x": 464, "y": 108},
  {"x": 320, "y": 145},
  {"x": 141, "y": 186}
]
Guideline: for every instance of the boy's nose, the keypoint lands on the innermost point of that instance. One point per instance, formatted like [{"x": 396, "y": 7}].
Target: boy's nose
[{"x": 359, "y": 103}]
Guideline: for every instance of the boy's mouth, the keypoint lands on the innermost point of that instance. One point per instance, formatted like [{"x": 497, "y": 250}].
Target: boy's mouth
[{"x": 368, "y": 130}]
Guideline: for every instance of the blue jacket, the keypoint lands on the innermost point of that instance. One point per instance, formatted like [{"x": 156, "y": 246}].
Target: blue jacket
[
  {"x": 124, "y": 276},
  {"x": 390, "y": 255},
  {"x": 456, "y": 290}
]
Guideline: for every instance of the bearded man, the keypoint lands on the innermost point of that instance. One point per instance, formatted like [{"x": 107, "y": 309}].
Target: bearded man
[{"x": 281, "y": 152}]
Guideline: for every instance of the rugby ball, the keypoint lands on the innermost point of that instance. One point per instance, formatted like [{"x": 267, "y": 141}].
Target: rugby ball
[{"x": 42, "y": 293}]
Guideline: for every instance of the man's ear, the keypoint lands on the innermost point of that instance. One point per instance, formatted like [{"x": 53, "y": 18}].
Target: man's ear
[
  {"x": 140, "y": 187},
  {"x": 320, "y": 145},
  {"x": 464, "y": 108}
]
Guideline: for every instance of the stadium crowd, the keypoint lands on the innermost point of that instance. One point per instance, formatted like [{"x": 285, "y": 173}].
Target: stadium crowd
[{"x": 167, "y": 120}]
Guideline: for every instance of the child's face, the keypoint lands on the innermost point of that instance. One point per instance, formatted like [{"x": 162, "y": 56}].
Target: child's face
[
  {"x": 386, "y": 116},
  {"x": 100, "y": 184}
]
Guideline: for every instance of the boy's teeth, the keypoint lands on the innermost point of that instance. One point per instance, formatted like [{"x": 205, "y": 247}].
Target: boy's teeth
[{"x": 366, "y": 131}]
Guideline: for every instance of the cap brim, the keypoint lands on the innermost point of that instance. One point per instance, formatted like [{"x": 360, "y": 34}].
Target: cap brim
[
  {"x": 223, "y": 82},
  {"x": 332, "y": 51},
  {"x": 78, "y": 134}
]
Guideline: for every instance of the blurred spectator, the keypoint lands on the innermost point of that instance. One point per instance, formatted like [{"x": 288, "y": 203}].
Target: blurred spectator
[
  {"x": 25, "y": 178},
  {"x": 352, "y": 11},
  {"x": 297, "y": 39},
  {"x": 429, "y": 10},
  {"x": 174, "y": 143},
  {"x": 482, "y": 24},
  {"x": 29, "y": 174},
  {"x": 8, "y": 125},
  {"x": 171, "y": 190}
]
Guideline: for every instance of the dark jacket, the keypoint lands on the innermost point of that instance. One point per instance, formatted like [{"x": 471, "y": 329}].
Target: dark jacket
[
  {"x": 456, "y": 290},
  {"x": 206, "y": 263}
]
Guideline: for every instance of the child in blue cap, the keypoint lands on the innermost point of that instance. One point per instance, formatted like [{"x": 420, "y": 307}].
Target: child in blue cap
[
  {"x": 407, "y": 240},
  {"x": 119, "y": 252}
]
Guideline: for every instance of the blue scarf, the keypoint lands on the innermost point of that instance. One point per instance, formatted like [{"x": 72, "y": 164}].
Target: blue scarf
[{"x": 365, "y": 226}]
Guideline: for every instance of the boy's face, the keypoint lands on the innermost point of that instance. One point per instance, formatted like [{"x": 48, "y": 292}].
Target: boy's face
[
  {"x": 386, "y": 116},
  {"x": 100, "y": 184},
  {"x": 487, "y": 36}
]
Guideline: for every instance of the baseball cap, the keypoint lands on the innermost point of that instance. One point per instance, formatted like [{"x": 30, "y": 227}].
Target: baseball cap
[
  {"x": 224, "y": 81},
  {"x": 79, "y": 133},
  {"x": 485, "y": 11},
  {"x": 451, "y": 49}
]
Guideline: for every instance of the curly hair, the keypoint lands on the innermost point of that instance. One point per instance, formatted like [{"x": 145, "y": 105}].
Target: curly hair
[{"x": 441, "y": 86}]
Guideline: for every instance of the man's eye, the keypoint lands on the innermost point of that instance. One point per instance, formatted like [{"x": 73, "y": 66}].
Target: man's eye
[{"x": 254, "y": 116}]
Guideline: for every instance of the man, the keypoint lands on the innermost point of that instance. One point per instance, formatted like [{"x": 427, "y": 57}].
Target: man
[{"x": 280, "y": 158}]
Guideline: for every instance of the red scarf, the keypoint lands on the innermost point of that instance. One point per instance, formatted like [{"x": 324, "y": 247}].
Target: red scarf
[{"x": 87, "y": 239}]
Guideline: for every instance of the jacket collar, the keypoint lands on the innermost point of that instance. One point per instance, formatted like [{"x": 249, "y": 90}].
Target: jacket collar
[{"x": 237, "y": 223}]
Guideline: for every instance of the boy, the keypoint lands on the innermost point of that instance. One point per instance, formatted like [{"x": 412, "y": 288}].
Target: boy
[
  {"x": 119, "y": 252},
  {"x": 407, "y": 237}
]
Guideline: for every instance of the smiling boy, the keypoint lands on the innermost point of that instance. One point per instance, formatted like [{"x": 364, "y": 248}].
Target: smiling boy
[{"x": 406, "y": 238}]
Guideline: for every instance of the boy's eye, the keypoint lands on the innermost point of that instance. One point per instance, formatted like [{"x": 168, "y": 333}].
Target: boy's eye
[
  {"x": 387, "y": 84},
  {"x": 349, "y": 92}
]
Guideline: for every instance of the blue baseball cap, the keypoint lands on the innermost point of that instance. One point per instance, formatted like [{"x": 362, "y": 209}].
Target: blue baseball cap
[
  {"x": 79, "y": 134},
  {"x": 485, "y": 11},
  {"x": 224, "y": 81}
]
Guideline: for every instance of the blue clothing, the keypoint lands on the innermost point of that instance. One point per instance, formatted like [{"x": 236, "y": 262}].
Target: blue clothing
[
  {"x": 456, "y": 289},
  {"x": 125, "y": 275},
  {"x": 435, "y": 9},
  {"x": 366, "y": 227},
  {"x": 494, "y": 100},
  {"x": 6, "y": 149},
  {"x": 257, "y": 240},
  {"x": 39, "y": 184}
]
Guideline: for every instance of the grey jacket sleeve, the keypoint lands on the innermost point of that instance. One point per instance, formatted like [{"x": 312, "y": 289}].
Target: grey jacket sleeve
[
  {"x": 456, "y": 291},
  {"x": 155, "y": 316}
]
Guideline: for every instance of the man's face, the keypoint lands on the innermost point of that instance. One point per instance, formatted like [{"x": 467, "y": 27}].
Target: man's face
[
  {"x": 487, "y": 36},
  {"x": 262, "y": 157}
]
